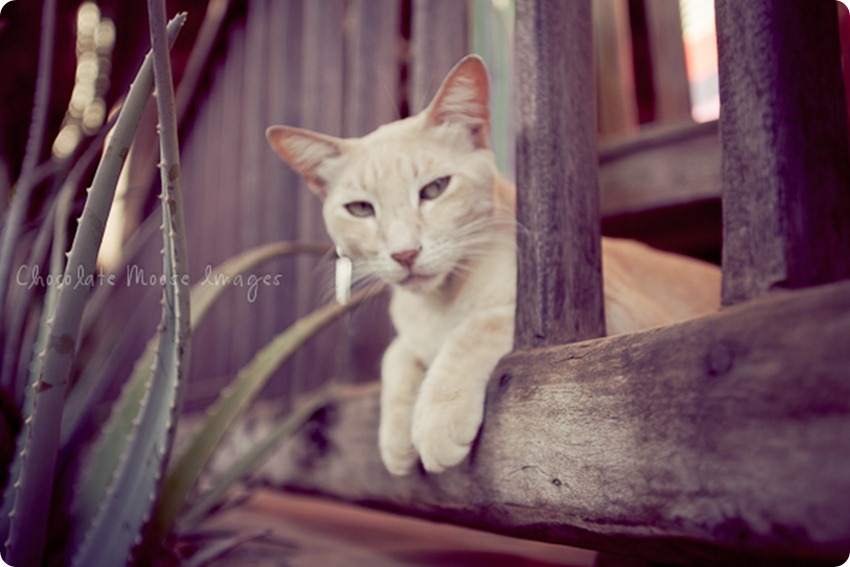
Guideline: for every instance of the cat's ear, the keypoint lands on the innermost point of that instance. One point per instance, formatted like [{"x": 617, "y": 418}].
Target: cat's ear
[
  {"x": 464, "y": 98},
  {"x": 311, "y": 155}
]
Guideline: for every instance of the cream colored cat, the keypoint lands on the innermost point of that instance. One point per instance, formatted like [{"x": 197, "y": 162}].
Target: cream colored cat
[{"x": 419, "y": 204}]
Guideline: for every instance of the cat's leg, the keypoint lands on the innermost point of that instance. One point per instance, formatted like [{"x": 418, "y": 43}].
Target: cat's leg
[
  {"x": 450, "y": 406},
  {"x": 401, "y": 375}
]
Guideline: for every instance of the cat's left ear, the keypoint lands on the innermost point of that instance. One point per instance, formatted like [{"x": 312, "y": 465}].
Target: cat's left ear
[{"x": 464, "y": 98}]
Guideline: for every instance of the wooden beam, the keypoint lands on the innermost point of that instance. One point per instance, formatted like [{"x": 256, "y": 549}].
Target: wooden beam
[
  {"x": 667, "y": 50},
  {"x": 661, "y": 166},
  {"x": 439, "y": 39},
  {"x": 559, "y": 295},
  {"x": 785, "y": 146},
  {"x": 617, "y": 112},
  {"x": 724, "y": 440}
]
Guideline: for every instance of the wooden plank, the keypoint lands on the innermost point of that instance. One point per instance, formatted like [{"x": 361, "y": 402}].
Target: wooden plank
[
  {"x": 280, "y": 216},
  {"x": 306, "y": 531},
  {"x": 229, "y": 204},
  {"x": 614, "y": 68},
  {"x": 723, "y": 440},
  {"x": 372, "y": 94},
  {"x": 667, "y": 50},
  {"x": 785, "y": 146},
  {"x": 322, "y": 63},
  {"x": 559, "y": 295},
  {"x": 439, "y": 39},
  {"x": 661, "y": 166},
  {"x": 372, "y": 65}
]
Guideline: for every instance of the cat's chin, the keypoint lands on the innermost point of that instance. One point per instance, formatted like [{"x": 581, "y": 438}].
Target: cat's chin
[{"x": 419, "y": 283}]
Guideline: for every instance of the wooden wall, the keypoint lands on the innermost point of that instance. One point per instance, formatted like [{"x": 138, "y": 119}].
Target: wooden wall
[{"x": 343, "y": 67}]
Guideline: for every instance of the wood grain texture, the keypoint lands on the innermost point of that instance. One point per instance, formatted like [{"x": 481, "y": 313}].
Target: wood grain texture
[
  {"x": 660, "y": 167},
  {"x": 372, "y": 98},
  {"x": 322, "y": 109},
  {"x": 614, "y": 67},
  {"x": 667, "y": 50},
  {"x": 559, "y": 295},
  {"x": 439, "y": 39},
  {"x": 723, "y": 440},
  {"x": 784, "y": 134}
]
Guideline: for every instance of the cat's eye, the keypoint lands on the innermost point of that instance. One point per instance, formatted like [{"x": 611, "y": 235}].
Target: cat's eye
[
  {"x": 360, "y": 209},
  {"x": 434, "y": 189}
]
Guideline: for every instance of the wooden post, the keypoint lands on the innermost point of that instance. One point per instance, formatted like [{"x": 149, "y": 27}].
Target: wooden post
[
  {"x": 323, "y": 52},
  {"x": 669, "y": 71},
  {"x": 559, "y": 295},
  {"x": 371, "y": 87},
  {"x": 439, "y": 39},
  {"x": 614, "y": 68},
  {"x": 372, "y": 65},
  {"x": 786, "y": 175}
]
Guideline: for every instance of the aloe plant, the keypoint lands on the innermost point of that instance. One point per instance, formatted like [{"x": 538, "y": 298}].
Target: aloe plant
[
  {"x": 115, "y": 528},
  {"x": 31, "y": 491},
  {"x": 186, "y": 471},
  {"x": 127, "y": 493}
]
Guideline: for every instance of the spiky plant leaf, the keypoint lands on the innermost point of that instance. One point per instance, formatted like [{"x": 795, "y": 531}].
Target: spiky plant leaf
[
  {"x": 186, "y": 470},
  {"x": 117, "y": 526},
  {"x": 251, "y": 461},
  {"x": 32, "y": 490},
  {"x": 202, "y": 298}
]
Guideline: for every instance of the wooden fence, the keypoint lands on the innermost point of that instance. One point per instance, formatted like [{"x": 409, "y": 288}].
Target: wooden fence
[
  {"x": 722, "y": 440},
  {"x": 344, "y": 67}
]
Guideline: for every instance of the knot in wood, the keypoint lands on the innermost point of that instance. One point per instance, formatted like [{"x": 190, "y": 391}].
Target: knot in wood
[
  {"x": 720, "y": 359},
  {"x": 504, "y": 382}
]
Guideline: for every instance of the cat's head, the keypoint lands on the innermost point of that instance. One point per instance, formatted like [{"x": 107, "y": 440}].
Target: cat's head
[{"x": 409, "y": 202}]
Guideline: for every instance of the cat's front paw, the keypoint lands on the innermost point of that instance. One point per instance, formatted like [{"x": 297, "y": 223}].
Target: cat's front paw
[
  {"x": 397, "y": 451},
  {"x": 444, "y": 428}
]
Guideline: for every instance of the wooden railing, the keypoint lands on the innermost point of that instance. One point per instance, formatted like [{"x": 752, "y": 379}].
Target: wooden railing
[{"x": 723, "y": 440}]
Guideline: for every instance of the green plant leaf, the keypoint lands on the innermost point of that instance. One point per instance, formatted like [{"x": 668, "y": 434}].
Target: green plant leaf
[
  {"x": 116, "y": 528},
  {"x": 203, "y": 296},
  {"x": 185, "y": 471},
  {"x": 104, "y": 456},
  {"x": 252, "y": 460},
  {"x": 32, "y": 491}
]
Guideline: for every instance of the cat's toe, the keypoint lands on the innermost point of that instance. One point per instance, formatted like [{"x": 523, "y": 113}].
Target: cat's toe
[
  {"x": 443, "y": 435},
  {"x": 439, "y": 456},
  {"x": 399, "y": 462},
  {"x": 397, "y": 451}
]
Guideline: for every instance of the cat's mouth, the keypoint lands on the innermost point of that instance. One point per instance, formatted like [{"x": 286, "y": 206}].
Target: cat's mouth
[{"x": 417, "y": 282}]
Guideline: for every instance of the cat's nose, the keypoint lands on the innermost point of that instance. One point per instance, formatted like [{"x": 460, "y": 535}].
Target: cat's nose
[{"x": 406, "y": 257}]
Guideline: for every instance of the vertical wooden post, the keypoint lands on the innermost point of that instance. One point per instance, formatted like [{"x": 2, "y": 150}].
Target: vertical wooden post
[
  {"x": 371, "y": 93},
  {"x": 372, "y": 65},
  {"x": 323, "y": 50},
  {"x": 439, "y": 39},
  {"x": 559, "y": 295},
  {"x": 614, "y": 68},
  {"x": 669, "y": 71},
  {"x": 786, "y": 177}
]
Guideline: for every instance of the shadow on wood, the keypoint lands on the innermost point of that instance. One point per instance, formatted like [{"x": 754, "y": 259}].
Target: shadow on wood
[{"x": 721, "y": 440}]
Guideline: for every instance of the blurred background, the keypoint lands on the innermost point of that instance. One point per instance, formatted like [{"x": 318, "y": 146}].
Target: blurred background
[{"x": 341, "y": 67}]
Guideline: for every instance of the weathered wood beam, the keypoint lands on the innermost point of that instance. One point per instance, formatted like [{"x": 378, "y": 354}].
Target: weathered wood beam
[
  {"x": 614, "y": 64},
  {"x": 559, "y": 294},
  {"x": 661, "y": 166},
  {"x": 439, "y": 39},
  {"x": 667, "y": 50},
  {"x": 724, "y": 440},
  {"x": 785, "y": 146}
]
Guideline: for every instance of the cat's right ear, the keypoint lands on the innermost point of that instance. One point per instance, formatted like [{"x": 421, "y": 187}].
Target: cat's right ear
[{"x": 312, "y": 155}]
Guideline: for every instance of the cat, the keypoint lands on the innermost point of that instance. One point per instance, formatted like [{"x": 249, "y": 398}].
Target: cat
[{"x": 419, "y": 204}]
